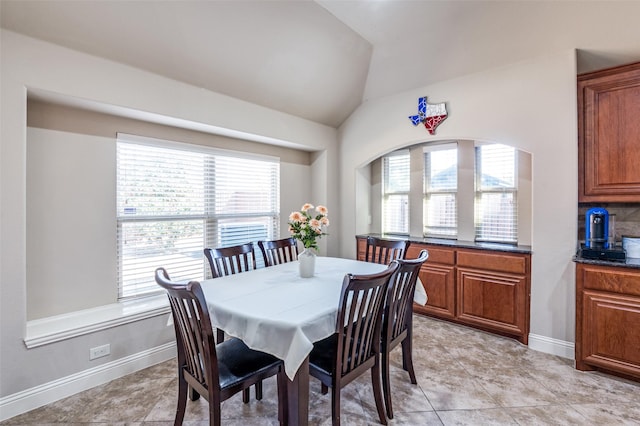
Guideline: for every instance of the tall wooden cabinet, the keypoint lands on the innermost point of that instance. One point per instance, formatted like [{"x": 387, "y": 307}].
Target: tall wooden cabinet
[
  {"x": 609, "y": 135},
  {"x": 608, "y": 319},
  {"x": 485, "y": 289}
]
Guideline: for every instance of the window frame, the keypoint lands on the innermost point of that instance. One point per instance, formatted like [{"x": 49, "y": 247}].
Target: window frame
[
  {"x": 388, "y": 194},
  {"x": 499, "y": 236},
  {"x": 208, "y": 214},
  {"x": 429, "y": 191}
]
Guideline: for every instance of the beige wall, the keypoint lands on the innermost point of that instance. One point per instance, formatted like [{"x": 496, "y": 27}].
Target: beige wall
[{"x": 529, "y": 105}]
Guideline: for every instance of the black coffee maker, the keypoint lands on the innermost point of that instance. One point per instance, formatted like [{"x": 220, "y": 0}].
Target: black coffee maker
[
  {"x": 597, "y": 228},
  {"x": 596, "y": 244}
]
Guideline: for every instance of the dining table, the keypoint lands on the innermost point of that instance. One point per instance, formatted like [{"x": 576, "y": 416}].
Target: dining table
[{"x": 276, "y": 311}]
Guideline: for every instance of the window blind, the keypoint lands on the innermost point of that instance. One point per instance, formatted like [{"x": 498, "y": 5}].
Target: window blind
[
  {"x": 174, "y": 199},
  {"x": 496, "y": 194},
  {"x": 395, "y": 199},
  {"x": 440, "y": 188}
]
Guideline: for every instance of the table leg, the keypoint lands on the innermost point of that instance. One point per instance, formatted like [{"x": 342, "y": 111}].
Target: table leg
[{"x": 298, "y": 396}]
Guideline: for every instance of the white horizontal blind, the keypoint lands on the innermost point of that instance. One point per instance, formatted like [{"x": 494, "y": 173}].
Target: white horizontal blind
[
  {"x": 440, "y": 188},
  {"x": 395, "y": 197},
  {"x": 496, "y": 194},
  {"x": 173, "y": 200}
]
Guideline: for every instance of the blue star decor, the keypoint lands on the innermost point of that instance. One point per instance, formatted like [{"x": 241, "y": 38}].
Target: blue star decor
[{"x": 429, "y": 114}]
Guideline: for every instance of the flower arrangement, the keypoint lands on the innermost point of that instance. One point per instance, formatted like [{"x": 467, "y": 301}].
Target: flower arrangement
[{"x": 307, "y": 227}]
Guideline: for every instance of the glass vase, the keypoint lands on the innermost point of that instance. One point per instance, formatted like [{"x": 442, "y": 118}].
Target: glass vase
[{"x": 307, "y": 263}]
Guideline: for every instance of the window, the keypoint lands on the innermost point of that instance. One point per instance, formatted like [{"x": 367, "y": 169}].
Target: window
[
  {"x": 440, "y": 187},
  {"x": 395, "y": 197},
  {"x": 496, "y": 189},
  {"x": 175, "y": 199}
]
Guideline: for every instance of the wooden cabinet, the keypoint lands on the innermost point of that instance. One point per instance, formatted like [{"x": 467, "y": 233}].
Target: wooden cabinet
[
  {"x": 493, "y": 292},
  {"x": 438, "y": 277},
  {"x": 361, "y": 248},
  {"x": 485, "y": 289},
  {"x": 608, "y": 319},
  {"x": 609, "y": 135}
]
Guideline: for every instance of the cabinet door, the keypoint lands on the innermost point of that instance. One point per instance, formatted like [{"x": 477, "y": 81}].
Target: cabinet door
[
  {"x": 493, "y": 301},
  {"x": 609, "y": 135},
  {"x": 611, "y": 332},
  {"x": 439, "y": 279},
  {"x": 439, "y": 283}
]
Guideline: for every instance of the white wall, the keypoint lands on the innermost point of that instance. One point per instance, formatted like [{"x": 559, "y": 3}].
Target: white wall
[
  {"x": 529, "y": 105},
  {"x": 31, "y": 64}
]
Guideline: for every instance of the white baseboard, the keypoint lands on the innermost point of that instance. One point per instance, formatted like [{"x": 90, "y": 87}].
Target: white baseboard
[
  {"x": 552, "y": 346},
  {"x": 47, "y": 393}
]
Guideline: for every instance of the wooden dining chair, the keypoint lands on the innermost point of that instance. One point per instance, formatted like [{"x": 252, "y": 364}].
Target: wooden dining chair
[
  {"x": 279, "y": 251},
  {"x": 225, "y": 261},
  {"x": 355, "y": 346},
  {"x": 215, "y": 372},
  {"x": 397, "y": 323},
  {"x": 231, "y": 260},
  {"x": 384, "y": 251}
]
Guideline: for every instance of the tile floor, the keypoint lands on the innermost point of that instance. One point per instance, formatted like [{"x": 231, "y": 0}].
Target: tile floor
[{"x": 465, "y": 377}]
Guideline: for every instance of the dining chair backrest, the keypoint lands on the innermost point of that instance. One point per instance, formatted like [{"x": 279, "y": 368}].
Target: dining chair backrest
[
  {"x": 194, "y": 333},
  {"x": 383, "y": 251},
  {"x": 359, "y": 320},
  {"x": 279, "y": 251},
  {"x": 225, "y": 261},
  {"x": 231, "y": 260},
  {"x": 215, "y": 372},
  {"x": 399, "y": 301}
]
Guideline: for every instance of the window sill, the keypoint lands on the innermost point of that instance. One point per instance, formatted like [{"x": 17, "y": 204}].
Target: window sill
[{"x": 66, "y": 326}]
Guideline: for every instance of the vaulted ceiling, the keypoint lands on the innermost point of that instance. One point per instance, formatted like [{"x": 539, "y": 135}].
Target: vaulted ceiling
[{"x": 320, "y": 59}]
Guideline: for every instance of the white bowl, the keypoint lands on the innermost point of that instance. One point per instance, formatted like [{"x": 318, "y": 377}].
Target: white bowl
[{"x": 631, "y": 245}]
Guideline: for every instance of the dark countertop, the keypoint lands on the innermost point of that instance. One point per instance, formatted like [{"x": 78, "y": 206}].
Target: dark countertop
[
  {"x": 630, "y": 262},
  {"x": 508, "y": 248}
]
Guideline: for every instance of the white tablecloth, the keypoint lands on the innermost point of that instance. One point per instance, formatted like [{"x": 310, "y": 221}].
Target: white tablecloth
[{"x": 275, "y": 311}]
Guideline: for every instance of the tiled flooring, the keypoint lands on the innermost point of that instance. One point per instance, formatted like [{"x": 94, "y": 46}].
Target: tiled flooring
[{"x": 465, "y": 377}]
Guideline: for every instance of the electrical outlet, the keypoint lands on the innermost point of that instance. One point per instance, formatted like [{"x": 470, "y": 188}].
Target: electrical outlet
[{"x": 99, "y": 351}]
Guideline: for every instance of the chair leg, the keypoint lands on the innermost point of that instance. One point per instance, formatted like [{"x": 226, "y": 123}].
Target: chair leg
[
  {"x": 259, "y": 390},
  {"x": 219, "y": 335},
  {"x": 335, "y": 405},
  {"x": 377, "y": 392},
  {"x": 386, "y": 384},
  {"x": 215, "y": 417},
  {"x": 407, "y": 359},
  {"x": 193, "y": 394},
  {"x": 245, "y": 395},
  {"x": 182, "y": 399},
  {"x": 324, "y": 389}
]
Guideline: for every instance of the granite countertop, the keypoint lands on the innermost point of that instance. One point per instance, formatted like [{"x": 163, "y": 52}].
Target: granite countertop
[
  {"x": 509, "y": 248},
  {"x": 630, "y": 262}
]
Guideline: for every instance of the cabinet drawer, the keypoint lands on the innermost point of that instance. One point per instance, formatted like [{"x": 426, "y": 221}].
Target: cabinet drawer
[
  {"x": 436, "y": 254},
  {"x": 493, "y": 261},
  {"x": 605, "y": 278}
]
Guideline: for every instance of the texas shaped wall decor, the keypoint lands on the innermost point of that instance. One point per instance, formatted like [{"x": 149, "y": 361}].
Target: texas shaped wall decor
[{"x": 429, "y": 114}]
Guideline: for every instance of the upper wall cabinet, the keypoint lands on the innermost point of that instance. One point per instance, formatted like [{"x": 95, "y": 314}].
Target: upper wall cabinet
[{"x": 609, "y": 135}]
